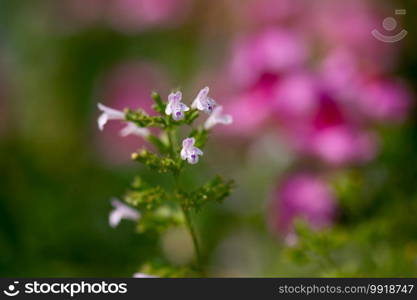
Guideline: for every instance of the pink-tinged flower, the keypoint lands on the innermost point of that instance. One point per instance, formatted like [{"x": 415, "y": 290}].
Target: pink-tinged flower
[
  {"x": 341, "y": 22},
  {"x": 190, "y": 152},
  {"x": 384, "y": 100},
  {"x": 128, "y": 85},
  {"x": 217, "y": 117},
  {"x": 271, "y": 51},
  {"x": 203, "y": 102},
  {"x": 122, "y": 211},
  {"x": 175, "y": 107},
  {"x": 306, "y": 196}
]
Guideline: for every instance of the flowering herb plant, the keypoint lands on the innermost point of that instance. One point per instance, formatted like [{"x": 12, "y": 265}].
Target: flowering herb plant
[{"x": 154, "y": 207}]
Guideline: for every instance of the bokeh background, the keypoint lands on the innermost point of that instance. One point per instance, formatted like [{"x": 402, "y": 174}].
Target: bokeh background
[{"x": 323, "y": 148}]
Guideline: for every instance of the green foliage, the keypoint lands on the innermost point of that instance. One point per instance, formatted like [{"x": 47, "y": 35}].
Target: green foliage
[
  {"x": 159, "y": 219},
  {"x": 145, "y": 197},
  {"x": 157, "y": 163},
  {"x": 142, "y": 119}
]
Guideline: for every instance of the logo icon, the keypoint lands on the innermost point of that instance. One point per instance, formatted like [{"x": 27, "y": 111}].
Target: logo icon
[
  {"x": 11, "y": 290},
  {"x": 390, "y": 24}
]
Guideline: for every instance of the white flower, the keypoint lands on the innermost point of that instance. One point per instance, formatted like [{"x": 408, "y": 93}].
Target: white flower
[
  {"x": 108, "y": 114},
  {"x": 175, "y": 107},
  {"x": 189, "y": 152},
  {"x": 132, "y": 129},
  {"x": 203, "y": 101},
  {"x": 143, "y": 275},
  {"x": 121, "y": 211},
  {"x": 218, "y": 118}
]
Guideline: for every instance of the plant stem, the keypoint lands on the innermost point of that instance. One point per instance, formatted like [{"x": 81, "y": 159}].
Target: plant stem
[{"x": 171, "y": 140}]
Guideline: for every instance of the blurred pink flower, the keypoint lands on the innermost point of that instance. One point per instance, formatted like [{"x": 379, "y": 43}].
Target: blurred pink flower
[
  {"x": 128, "y": 85},
  {"x": 271, "y": 51},
  {"x": 331, "y": 136},
  {"x": 296, "y": 97},
  {"x": 258, "y": 62},
  {"x": 303, "y": 195},
  {"x": 340, "y": 145}
]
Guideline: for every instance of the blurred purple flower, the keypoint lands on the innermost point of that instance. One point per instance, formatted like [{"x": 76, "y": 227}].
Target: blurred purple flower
[
  {"x": 128, "y": 85},
  {"x": 296, "y": 97},
  {"x": 303, "y": 195},
  {"x": 271, "y": 51}
]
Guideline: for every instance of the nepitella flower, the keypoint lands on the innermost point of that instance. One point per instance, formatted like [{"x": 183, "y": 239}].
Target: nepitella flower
[
  {"x": 189, "y": 152},
  {"x": 132, "y": 129},
  {"x": 203, "y": 102},
  {"x": 121, "y": 211},
  {"x": 218, "y": 118},
  {"x": 108, "y": 114},
  {"x": 175, "y": 107}
]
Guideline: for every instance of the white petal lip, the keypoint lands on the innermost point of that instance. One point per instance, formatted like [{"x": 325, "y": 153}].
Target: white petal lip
[
  {"x": 121, "y": 211},
  {"x": 189, "y": 152},
  {"x": 108, "y": 114}
]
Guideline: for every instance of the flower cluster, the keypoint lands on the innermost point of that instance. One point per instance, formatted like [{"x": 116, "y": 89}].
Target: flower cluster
[{"x": 155, "y": 207}]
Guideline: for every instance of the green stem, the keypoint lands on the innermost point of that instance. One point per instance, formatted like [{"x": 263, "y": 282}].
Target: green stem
[
  {"x": 194, "y": 238},
  {"x": 188, "y": 221}
]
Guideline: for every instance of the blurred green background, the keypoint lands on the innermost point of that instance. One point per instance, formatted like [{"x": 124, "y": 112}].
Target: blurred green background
[{"x": 56, "y": 182}]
